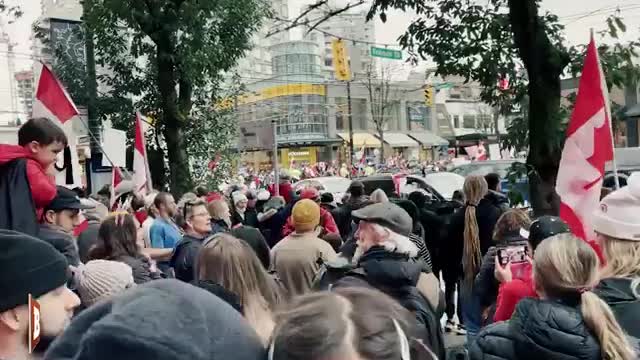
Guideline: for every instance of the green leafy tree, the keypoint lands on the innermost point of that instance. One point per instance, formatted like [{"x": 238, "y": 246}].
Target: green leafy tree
[
  {"x": 169, "y": 58},
  {"x": 495, "y": 39}
]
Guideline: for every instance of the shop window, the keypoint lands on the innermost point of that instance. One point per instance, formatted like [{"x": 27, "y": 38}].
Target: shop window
[{"x": 469, "y": 122}]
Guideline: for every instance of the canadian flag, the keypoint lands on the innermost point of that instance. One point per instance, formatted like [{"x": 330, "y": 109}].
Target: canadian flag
[
  {"x": 116, "y": 179},
  {"x": 589, "y": 145},
  {"x": 141, "y": 175},
  {"x": 53, "y": 102}
]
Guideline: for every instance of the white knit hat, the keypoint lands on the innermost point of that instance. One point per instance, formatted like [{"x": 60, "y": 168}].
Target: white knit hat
[
  {"x": 100, "y": 279},
  {"x": 618, "y": 214},
  {"x": 238, "y": 196}
]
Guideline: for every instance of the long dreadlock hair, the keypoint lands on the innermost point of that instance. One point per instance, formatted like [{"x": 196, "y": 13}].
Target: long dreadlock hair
[{"x": 475, "y": 188}]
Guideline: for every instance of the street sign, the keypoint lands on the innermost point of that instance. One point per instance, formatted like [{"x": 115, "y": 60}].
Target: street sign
[
  {"x": 341, "y": 61},
  {"x": 386, "y": 53}
]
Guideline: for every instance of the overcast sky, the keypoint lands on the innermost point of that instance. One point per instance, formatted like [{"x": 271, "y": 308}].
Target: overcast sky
[{"x": 578, "y": 20}]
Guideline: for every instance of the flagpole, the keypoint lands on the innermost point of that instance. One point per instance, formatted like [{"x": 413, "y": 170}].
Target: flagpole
[{"x": 607, "y": 106}]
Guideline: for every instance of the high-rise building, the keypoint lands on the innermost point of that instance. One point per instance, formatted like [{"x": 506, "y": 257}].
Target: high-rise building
[
  {"x": 25, "y": 90},
  {"x": 356, "y": 32},
  {"x": 256, "y": 65}
]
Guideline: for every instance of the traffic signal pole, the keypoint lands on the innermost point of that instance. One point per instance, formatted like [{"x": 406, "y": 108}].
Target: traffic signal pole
[{"x": 350, "y": 117}]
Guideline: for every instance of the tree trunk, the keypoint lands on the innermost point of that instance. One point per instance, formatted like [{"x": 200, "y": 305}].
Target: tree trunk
[
  {"x": 179, "y": 171},
  {"x": 544, "y": 64}
]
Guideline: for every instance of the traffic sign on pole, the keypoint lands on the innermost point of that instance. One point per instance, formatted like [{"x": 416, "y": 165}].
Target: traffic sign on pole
[{"x": 386, "y": 53}]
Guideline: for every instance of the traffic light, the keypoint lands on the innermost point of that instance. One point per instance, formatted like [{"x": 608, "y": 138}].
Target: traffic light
[
  {"x": 428, "y": 96},
  {"x": 341, "y": 60}
]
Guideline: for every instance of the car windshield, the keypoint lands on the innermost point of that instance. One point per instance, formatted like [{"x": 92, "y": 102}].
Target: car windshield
[
  {"x": 483, "y": 168},
  {"x": 445, "y": 183},
  {"x": 331, "y": 185},
  {"x": 336, "y": 185}
]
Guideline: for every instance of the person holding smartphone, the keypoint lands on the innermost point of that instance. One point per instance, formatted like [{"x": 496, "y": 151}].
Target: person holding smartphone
[{"x": 513, "y": 265}]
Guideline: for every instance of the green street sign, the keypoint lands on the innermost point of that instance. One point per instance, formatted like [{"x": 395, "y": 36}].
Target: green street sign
[{"x": 386, "y": 53}]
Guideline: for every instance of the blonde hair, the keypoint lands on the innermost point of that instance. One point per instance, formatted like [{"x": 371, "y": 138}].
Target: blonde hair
[
  {"x": 233, "y": 264},
  {"x": 623, "y": 257},
  {"x": 220, "y": 210},
  {"x": 511, "y": 221},
  {"x": 565, "y": 267},
  {"x": 378, "y": 196},
  {"x": 475, "y": 188}
]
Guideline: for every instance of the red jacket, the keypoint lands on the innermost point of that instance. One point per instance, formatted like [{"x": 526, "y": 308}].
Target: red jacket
[
  {"x": 509, "y": 294},
  {"x": 43, "y": 187},
  {"x": 326, "y": 221}
]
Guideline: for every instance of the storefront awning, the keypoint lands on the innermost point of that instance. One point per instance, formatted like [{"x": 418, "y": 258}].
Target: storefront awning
[
  {"x": 427, "y": 138},
  {"x": 398, "y": 140},
  {"x": 361, "y": 139}
]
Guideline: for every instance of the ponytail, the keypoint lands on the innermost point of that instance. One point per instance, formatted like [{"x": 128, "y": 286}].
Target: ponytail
[
  {"x": 475, "y": 188},
  {"x": 471, "y": 255},
  {"x": 600, "y": 320}
]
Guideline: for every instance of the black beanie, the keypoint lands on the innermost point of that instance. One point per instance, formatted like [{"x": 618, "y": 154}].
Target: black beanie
[{"x": 27, "y": 266}]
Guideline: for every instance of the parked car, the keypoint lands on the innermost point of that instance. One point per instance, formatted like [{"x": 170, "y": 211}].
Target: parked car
[
  {"x": 446, "y": 183},
  {"x": 500, "y": 167},
  {"x": 335, "y": 185}
]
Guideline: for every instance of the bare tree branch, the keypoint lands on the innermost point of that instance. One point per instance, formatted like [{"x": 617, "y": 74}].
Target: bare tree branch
[{"x": 303, "y": 20}]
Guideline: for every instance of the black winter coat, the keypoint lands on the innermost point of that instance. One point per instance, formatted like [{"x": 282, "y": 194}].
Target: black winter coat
[
  {"x": 539, "y": 329},
  {"x": 487, "y": 216},
  {"x": 183, "y": 260},
  {"x": 499, "y": 200},
  {"x": 141, "y": 267},
  {"x": 618, "y": 294},
  {"x": 17, "y": 209},
  {"x": 397, "y": 276},
  {"x": 342, "y": 215}
]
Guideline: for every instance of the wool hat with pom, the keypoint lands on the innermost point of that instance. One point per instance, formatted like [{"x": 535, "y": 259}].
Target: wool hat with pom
[
  {"x": 617, "y": 215},
  {"x": 98, "y": 280}
]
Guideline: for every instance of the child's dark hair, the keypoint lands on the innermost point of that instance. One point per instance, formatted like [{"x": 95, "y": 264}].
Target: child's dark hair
[{"x": 42, "y": 130}]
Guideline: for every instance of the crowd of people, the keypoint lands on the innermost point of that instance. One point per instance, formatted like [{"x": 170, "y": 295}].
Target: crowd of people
[{"x": 258, "y": 274}]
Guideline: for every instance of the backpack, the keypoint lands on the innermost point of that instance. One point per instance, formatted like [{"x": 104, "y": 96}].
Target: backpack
[
  {"x": 330, "y": 272},
  {"x": 429, "y": 329}
]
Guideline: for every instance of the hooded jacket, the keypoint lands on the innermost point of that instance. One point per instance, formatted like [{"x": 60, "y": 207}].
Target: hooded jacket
[
  {"x": 539, "y": 329},
  {"x": 404, "y": 280},
  {"x": 161, "y": 320},
  {"x": 62, "y": 240},
  {"x": 43, "y": 188},
  {"x": 618, "y": 294}
]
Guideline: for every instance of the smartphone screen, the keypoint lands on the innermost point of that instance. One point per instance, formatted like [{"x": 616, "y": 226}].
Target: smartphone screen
[{"x": 512, "y": 254}]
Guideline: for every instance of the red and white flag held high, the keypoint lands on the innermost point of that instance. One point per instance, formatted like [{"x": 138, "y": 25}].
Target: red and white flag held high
[
  {"x": 116, "y": 179},
  {"x": 53, "y": 102},
  {"x": 589, "y": 145},
  {"x": 141, "y": 175}
]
